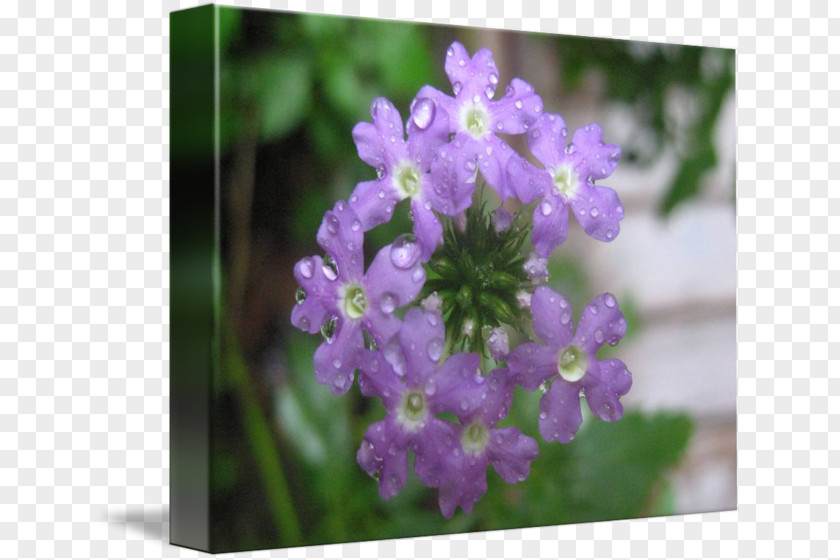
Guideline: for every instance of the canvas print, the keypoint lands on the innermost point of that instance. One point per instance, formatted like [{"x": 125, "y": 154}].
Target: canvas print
[{"x": 432, "y": 279}]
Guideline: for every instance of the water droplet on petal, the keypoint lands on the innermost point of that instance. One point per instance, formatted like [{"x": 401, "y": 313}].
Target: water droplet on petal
[
  {"x": 599, "y": 336},
  {"x": 307, "y": 267},
  {"x": 456, "y": 88},
  {"x": 609, "y": 300},
  {"x": 462, "y": 63},
  {"x": 546, "y": 207},
  {"x": 337, "y": 363},
  {"x": 543, "y": 415},
  {"x": 489, "y": 91},
  {"x": 405, "y": 251},
  {"x": 435, "y": 349},
  {"x": 594, "y": 212},
  {"x": 610, "y": 234},
  {"x": 418, "y": 275},
  {"x": 535, "y": 133},
  {"x": 424, "y": 113},
  {"x": 380, "y": 172},
  {"x": 388, "y": 302},
  {"x": 300, "y": 295},
  {"x": 564, "y": 318},
  {"x": 339, "y": 382},
  {"x": 303, "y": 324},
  {"x": 518, "y": 104},
  {"x": 332, "y": 224},
  {"x": 355, "y": 225},
  {"x": 450, "y": 51}
]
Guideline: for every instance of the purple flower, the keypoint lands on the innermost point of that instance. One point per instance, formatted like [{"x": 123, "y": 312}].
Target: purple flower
[
  {"x": 414, "y": 388},
  {"x": 420, "y": 168},
  {"x": 569, "y": 358},
  {"x": 567, "y": 180},
  {"x": 481, "y": 444},
  {"x": 339, "y": 299},
  {"x": 475, "y": 117}
]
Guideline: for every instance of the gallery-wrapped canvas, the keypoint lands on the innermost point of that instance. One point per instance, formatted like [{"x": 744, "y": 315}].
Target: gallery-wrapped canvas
[{"x": 431, "y": 280}]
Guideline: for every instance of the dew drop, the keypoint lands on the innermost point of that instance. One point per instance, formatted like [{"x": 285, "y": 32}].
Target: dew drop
[
  {"x": 435, "y": 349},
  {"x": 337, "y": 363},
  {"x": 356, "y": 225},
  {"x": 380, "y": 172},
  {"x": 619, "y": 210},
  {"x": 307, "y": 267},
  {"x": 610, "y": 234},
  {"x": 594, "y": 212},
  {"x": 456, "y": 88},
  {"x": 565, "y": 318},
  {"x": 546, "y": 207},
  {"x": 599, "y": 336},
  {"x": 609, "y": 300},
  {"x": 432, "y": 318},
  {"x": 543, "y": 415},
  {"x": 332, "y": 224},
  {"x": 405, "y": 251},
  {"x": 300, "y": 295},
  {"x": 462, "y": 63},
  {"x": 535, "y": 133},
  {"x": 388, "y": 302},
  {"x": 339, "y": 382},
  {"x": 303, "y": 324},
  {"x": 494, "y": 78},
  {"x": 518, "y": 104},
  {"x": 330, "y": 268},
  {"x": 424, "y": 113},
  {"x": 381, "y": 193},
  {"x": 450, "y": 51},
  {"x": 418, "y": 275}
]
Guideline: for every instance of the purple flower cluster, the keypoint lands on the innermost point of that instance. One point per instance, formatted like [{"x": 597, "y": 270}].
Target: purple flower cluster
[{"x": 435, "y": 158}]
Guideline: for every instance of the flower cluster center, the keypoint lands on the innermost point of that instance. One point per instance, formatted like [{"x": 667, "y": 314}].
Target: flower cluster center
[
  {"x": 565, "y": 180},
  {"x": 475, "y": 119},
  {"x": 407, "y": 179},
  {"x": 354, "y": 302},
  {"x": 572, "y": 363},
  {"x": 412, "y": 410},
  {"x": 474, "y": 438}
]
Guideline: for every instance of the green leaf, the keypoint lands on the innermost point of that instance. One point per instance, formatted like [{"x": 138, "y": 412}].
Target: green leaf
[{"x": 282, "y": 86}]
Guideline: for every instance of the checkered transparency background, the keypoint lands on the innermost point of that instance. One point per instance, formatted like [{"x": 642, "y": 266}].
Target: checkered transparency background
[{"x": 84, "y": 236}]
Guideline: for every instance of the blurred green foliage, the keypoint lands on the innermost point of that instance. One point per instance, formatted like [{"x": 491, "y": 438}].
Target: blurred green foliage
[{"x": 645, "y": 76}]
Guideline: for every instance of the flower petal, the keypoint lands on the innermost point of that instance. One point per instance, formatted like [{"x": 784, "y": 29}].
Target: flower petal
[
  {"x": 309, "y": 314},
  {"x": 428, "y": 129},
  {"x": 552, "y": 317},
  {"x": 531, "y": 363},
  {"x": 374, "y": 202},
  {"x": 451, "y": 179},
  {"x": 434, "y": 447},
  {"x": 445, "y": 102},
  {"x": 527, "y": 181},
  {"x": 341, "y": 236},
  {"x": 427, "y": 228},
  {"x": 335, "y": 360},
  {"x": 511, "y": 453},
  {"x": 497, "y": 397},
  {"x": 518, "y": 110},
  {"x": 457, "y": 386},
  {"x": 471, "y": 76},
  {"x": 604, "y": 385},
  {"x": 560, "y": 416},
  {"x": 600, "y": 322},
  {"x": 381, "y": 456},
  {"x": 370, "y": 145},
  {"x": 394, "y": 278},
  {"x": 378, "y": 379},
  {"x": 493, "y": 155},
  {"x": 421, "y": 339},
  {"x": 547, "y": 139},
  {"x": 598, "y": 210},
  {"x": 467, "y": 484},
  {"x": 551, "y": 224},
  {"x": 596, "y": 159}
]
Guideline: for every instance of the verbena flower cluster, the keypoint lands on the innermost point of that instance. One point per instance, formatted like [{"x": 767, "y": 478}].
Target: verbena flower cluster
[{"x": 430, "y": 323}]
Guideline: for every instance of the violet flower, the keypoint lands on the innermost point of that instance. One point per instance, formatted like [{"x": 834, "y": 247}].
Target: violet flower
[
  {"x": 475, "y": 117},
  {"x": 414, "y": 388},
  {"x": 568, "y": 359},
  {"x": 337, "y": 298},
  {"x": 420, "y": 168},
  {"x": 567, "y": 181}
]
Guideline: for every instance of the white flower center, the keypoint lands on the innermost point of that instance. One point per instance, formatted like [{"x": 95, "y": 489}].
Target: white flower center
[
  {"x": 353, "y": 301},
  {"x": 406, "y": 179},
  {"x": 474, "y": 438},
  {"x": 572, "y": 363},
  {"x": 474, "y": 118},
  {"x": 565, "y": 180},
  {"x": 412, "y": 410}
]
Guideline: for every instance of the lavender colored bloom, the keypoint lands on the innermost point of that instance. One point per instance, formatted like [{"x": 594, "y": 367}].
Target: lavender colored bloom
[
  {"x": 568, "y": 357},
  {"x": 567, "y": 181},
  {"x": 536, "y": 267},
  {"x": 481, "y": 444},
  {"x": 420, "y": 168},
  {"x": 475, "y": 117},
  {"x": 407, "y": 376},
  {"x": 337, "y": 298}
]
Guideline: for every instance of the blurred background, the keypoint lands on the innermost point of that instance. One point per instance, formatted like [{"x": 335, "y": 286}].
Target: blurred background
[{"x": 292, "y": 87}]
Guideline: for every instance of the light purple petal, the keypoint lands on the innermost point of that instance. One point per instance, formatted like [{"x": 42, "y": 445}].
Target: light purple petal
[
  {"x": 596, "y": 159},
  {"x": 601, "y": 322},
  {"x": 502, "y": 219},
  {"x": 394, "y": 278},
  {"x": 552, "y": 317},
  {"x": 598, "y": 210},
  {"x": 374, "y": 202},
  {"x": 551, "y": 224},
  {"x": 471, "y": 76},
  {"x": 536, "y": 267},
  {"x": 604, "y": 385},
  {"x": 388, "y": 122},
  {"x": 341, "y": 236},
  {"x": 310, "y": 314},
  {"x": 428, "y": 129},
  {"x": 465, "y": 487},
  {"x": 335, "y": 360},
  {"x": 427, "y": 228},
  {"x": 531, "y": 363},
  {"x": 380, "y": 455},
  {"x": 547, "y": 139},
  {"x": 511, "y": 453},
  {"x": 378, "y": 379},
  {"x": 493, "y": 156},
  {"x": 421, "y": 339},
  {"x": 560, "y": 415},
  {"x": 518, "y": 110},
  {"x": 380, "y": 325},
  {"x": 434, "y": 447},
  {"x": 457, "y": 387},
  {"x": 528, "y": 182},
  {"x": 451, "y": 180},
  {"x": 444, "y": 101},
  {"x": 497, "y": 398},
  {"x": 370, "y": 145}
]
